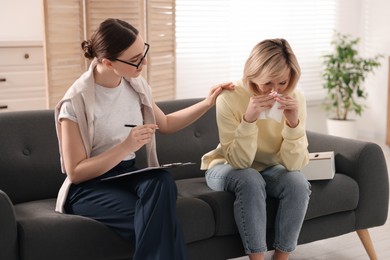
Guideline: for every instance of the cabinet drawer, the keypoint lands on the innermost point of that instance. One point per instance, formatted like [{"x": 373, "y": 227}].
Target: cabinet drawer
[
  {"x": 22, "y": 85},
  {"x": 22, "y": 93},
  {"x": 11, "y": 56},
  {"x": 26, "y": 104},
  {"x": 14, "y": 79}
]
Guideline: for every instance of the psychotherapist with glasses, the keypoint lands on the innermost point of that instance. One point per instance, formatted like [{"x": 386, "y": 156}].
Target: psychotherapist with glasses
[{"x": 95, "y": 144}]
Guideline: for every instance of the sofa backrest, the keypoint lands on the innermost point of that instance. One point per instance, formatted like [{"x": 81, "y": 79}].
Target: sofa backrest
[
  {"x": 188, "y": 144},
  {"x": 29, "y": 158},
  {"x": 30, "y": 163}
]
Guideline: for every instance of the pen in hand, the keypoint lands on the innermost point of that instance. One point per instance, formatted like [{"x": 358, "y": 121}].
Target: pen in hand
[{"x": 130, "y": 125}]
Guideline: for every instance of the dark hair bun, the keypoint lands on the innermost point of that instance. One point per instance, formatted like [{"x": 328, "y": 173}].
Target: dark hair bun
[{"x": 87, "y": 48}]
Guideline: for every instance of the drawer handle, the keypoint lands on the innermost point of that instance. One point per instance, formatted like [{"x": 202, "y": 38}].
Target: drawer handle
[
  {"x": 26, "y": 56},
  {"x": 3, "y": 79},
  {"x": 3, "y": 106}
]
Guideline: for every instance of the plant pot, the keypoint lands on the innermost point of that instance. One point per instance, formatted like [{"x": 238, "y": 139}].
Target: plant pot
[{"x": 342, "y": 128}]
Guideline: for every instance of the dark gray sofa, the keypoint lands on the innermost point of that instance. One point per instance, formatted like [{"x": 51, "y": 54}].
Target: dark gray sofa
[{"x": 355, "y": 200}]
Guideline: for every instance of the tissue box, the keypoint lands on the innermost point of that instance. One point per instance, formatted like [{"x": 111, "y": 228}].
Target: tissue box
[{"x": 321, "y": 166}]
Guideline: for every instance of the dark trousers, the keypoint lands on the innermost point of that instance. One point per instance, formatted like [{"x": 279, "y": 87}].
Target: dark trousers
[{"x": 139, "y": 207}]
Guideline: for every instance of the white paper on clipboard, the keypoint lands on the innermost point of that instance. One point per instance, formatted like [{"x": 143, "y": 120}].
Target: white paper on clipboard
[{"x": 162, "y": 166}]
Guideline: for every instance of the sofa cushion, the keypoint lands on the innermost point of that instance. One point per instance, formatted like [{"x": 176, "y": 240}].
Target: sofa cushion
[
  {"x": 328, "y": 197},
  {"x": 46, "y": 234},
  {"x": 332, "y": 196},
  {"x": 221, "y": 203},
  {"x": 29, "y": 158},
  {"x": 196, "y": 218},
  {"x": 42, "y": 231},
  {"x": 188, "y": 144}
]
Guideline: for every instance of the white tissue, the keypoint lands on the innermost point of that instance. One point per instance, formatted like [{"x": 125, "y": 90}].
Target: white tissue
[{"x": 274, "y": 112}]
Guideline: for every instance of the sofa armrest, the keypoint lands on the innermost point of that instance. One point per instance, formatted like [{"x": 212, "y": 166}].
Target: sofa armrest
[
  {"x": 366, "y": 164},
  {"x": 8, "y": 227}
]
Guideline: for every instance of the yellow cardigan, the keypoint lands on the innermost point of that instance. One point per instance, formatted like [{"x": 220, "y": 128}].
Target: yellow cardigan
[{"x": 259, "y": 144}]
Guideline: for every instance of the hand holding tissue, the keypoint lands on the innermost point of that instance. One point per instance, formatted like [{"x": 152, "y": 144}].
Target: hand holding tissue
[{"x": 274, "y": 112}]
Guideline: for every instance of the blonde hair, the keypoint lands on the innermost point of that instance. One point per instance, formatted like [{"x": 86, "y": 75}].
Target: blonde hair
[{"x": 268, "y": 60}]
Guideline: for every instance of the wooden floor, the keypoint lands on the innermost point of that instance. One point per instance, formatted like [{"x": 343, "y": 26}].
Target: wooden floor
[{"x": 345, "y": 247}]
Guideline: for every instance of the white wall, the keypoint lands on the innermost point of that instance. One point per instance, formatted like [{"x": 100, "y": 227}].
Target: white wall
[
  {"x": 368, "y": 20},
  {"x": 23, "y": 20},
  {"x": 376, "y": 40}
]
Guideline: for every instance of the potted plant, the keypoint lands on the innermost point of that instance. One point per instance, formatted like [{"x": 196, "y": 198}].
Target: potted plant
[{"x": 344, "y": 74}]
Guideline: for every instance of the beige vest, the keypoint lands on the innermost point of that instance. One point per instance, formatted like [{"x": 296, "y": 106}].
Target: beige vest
[{"x": 82, "y": 96}]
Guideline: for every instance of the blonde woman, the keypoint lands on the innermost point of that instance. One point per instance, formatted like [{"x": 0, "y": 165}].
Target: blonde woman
[{"x": 263, "y": 147}]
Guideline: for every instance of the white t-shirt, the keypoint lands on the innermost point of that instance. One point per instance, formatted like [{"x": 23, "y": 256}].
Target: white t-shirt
[{"x": 114, "y": 107}]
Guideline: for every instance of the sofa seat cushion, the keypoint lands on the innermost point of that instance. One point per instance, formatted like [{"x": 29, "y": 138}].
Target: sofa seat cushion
[
  {"x": 221, "y": 203},
  {"x": 41, "y": 231},
  {"x": 332, "y": 196},
  {"x": 196, "y": 219},
  {"x": 46, "y": 234},
  {"x": 328, "y": 197}
]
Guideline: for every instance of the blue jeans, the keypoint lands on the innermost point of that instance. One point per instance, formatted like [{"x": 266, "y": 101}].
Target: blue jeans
[{"x": 251, "y": 189}]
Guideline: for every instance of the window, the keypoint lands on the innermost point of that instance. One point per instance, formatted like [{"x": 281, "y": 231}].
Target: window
[{"x": 215, "y": 37}]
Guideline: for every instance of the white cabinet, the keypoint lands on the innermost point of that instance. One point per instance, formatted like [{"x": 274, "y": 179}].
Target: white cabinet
[{"x": 22, "y": 79}]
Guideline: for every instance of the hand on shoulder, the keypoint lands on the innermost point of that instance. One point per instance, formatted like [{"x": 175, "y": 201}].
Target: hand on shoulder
[{"x": 216, "y": 90}]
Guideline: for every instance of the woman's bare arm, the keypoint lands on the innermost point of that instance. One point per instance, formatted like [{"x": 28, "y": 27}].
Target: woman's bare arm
[
  {"x": 178, "y": 120},
  {"x": 80, "y": 168}
]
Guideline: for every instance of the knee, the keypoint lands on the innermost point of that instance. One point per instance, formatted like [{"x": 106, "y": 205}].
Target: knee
[
  {"x": 250, "y": 179},
  {"x": 299, "y": 186},
  {"x": 165, "y": 180}
]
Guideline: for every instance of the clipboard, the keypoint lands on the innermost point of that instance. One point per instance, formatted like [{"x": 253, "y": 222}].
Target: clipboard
[{"x": 162, "y": 166}]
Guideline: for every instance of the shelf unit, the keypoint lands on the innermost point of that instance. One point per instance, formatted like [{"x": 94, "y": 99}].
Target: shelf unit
[{"x": 22, "y": 78}]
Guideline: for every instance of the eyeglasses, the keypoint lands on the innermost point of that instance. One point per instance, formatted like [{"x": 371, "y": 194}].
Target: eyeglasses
[{"x": 141, "y": 59}]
